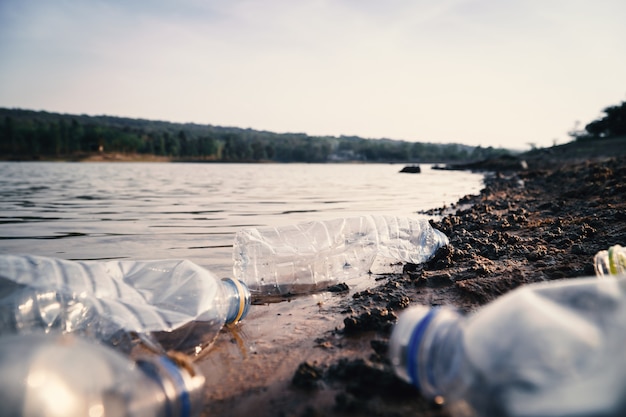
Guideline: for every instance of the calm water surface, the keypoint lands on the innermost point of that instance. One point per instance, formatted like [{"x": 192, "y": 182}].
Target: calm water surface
[{"x": 191, "y": 211}]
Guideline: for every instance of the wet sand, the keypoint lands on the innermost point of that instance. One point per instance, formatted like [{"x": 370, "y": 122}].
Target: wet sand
[{"x": 536, "y": 221}]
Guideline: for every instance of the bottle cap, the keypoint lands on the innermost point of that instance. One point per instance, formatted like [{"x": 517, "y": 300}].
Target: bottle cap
[
  {"x": 617, "y": 260},
  {"x": 242, "y": 299},
  {"x": 405, "y": 341},
  {"x": 610, "y": 262}
]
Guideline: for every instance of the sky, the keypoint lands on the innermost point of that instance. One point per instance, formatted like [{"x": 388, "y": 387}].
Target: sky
[{"x": 501, "y": 73}]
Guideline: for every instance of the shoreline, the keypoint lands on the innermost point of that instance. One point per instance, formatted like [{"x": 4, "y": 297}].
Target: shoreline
[
  {"x": 542, "y": 223},
  {"x": 90, "y": 157}
]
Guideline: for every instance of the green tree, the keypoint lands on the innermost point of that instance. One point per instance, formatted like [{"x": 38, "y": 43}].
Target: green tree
[
  {"x": 126, "y": 142},
  {"x": 207, "y": 146},
  {"x": 258, "y": 151},
  {"x": 8, "y": 137},
  {"x": 159, "y": 145},
  {"x": 172, "y": 145},
  {"x": 611, "y": 125},
  {"x": 188, "y": 147},
  {"x": 93, "y": 137},
  {"x": 75, "y": 136},
  {"x": 147, "y": 145},
  {"x": 62, "y": 145},
  {"x": 236, "y": 148}
]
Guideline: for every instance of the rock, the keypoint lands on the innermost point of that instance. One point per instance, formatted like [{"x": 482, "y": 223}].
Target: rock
[
  {"x": 307, "y": 376},
  {"x": 411, "y": 169}
]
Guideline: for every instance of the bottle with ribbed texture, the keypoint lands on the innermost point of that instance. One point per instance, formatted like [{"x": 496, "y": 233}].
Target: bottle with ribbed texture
[
  {"x": 175, "y": 302},
  {"x": 65, "y": 375},
  {"x": 310, "y": 256},
  {"x": 549, "y": 349},
  {"x": 611, "y": 261}
]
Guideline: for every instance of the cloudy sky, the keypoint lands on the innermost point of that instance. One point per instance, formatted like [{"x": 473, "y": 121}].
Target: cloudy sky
[{"x": 480, "y": 72}]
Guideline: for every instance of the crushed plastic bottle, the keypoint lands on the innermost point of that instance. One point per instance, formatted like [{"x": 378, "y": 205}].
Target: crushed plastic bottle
[
  {"x": 550, "y": 349},
  {"x": 310, "y": 256},
  {"x": 171, "y": 304},
  {"x": 65, "y": 375},
  {"x": 610, "y": 262}
]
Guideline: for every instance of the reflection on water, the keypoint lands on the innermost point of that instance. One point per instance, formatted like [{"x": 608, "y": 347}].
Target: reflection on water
[{"x": 191, "y": 211}]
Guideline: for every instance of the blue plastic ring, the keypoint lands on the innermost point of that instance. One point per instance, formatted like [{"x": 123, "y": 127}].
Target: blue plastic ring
[
  {"x": 174, "y": 371},
  {"x": 414, "y": 344}
]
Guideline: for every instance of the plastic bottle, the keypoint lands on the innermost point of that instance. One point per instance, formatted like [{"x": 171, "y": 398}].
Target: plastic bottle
[
  {"x": 550, "y": 349},
  {"x": 64, "y": 375},
  {"x": 310, "y": 256},
  {"x": 610, "y": 262},
  {"x": 174, "y": 303}
]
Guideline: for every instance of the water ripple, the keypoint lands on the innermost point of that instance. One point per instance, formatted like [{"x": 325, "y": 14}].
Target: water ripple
[{"x": 192, "y": 211}]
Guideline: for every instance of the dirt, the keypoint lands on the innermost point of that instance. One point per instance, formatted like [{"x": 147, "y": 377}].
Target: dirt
[{"x": 538, "y": 220}]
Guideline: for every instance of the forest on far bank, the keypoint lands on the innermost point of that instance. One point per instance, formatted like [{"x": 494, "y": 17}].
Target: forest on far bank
[{"x": 40, "y": 135}]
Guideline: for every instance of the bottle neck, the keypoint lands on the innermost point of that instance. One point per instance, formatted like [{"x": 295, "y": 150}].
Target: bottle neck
[
  {"x": 441, "y": 355},
  {"x": 181, "y": 383},
  {"x": 429, "y": 354},
  {"x": 238, "y": 299}
]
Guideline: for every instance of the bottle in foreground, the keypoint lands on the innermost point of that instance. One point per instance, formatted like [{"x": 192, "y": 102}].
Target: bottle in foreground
[
  {"x": 611, "y": 261},
  {"x": 63, "y": 375},
  {"x": 173, "y": 303},
  {"x": 311, "y": 256},
  {"x": 554, "y": 349}
]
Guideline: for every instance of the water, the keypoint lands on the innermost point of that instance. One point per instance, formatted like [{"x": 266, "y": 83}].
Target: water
[
  {"x": 84, "y": 211},
  {"x": 158, "y": 210}
]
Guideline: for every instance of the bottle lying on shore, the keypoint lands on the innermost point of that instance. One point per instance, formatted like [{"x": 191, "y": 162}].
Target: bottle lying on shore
[
  {"x": 611, "y": 261},
  {"x": 550, "y": 349},
  {"x": 311, "y": 256},
  {"x": 64, "y": 375},
  {"x": 173, "y": 304}
]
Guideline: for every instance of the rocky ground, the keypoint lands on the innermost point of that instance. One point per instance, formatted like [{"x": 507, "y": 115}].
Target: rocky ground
[{"x": 538, "y": 220}]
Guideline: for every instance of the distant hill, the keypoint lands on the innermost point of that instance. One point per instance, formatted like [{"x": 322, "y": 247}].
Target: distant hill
[
  {"x": 40, "y": 135},
  {"x": 584, "y": 149},
  {"x": 581, "y": 149}
]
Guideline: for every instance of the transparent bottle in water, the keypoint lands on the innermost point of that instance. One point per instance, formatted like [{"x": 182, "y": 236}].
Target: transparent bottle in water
[
  {"x": 310, "y": 256},
  {"x": 171, "y": 304}
]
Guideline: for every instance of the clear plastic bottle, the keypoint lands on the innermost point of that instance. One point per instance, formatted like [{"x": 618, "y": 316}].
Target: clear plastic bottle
[
  {"x": 610, "y": 262},
  {"x": 550, "y": 349},
  {"x": 64, "y": 375},
  {"x": 172, "y": 302},
  {"x": 310, "y": 256}
]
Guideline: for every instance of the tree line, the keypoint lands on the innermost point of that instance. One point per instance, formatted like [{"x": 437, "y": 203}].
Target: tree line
[
  {"x": 27, "y": 134},
  {"x": 611, "y": 125}
]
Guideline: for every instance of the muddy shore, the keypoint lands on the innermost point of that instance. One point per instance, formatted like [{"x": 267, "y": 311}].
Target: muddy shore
[{"x": 540, "y": 220}]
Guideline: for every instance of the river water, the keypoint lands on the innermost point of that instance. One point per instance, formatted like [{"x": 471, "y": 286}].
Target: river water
[
  {"x": 170, "y": 210},
  {"x": 104, "y": 211}
]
